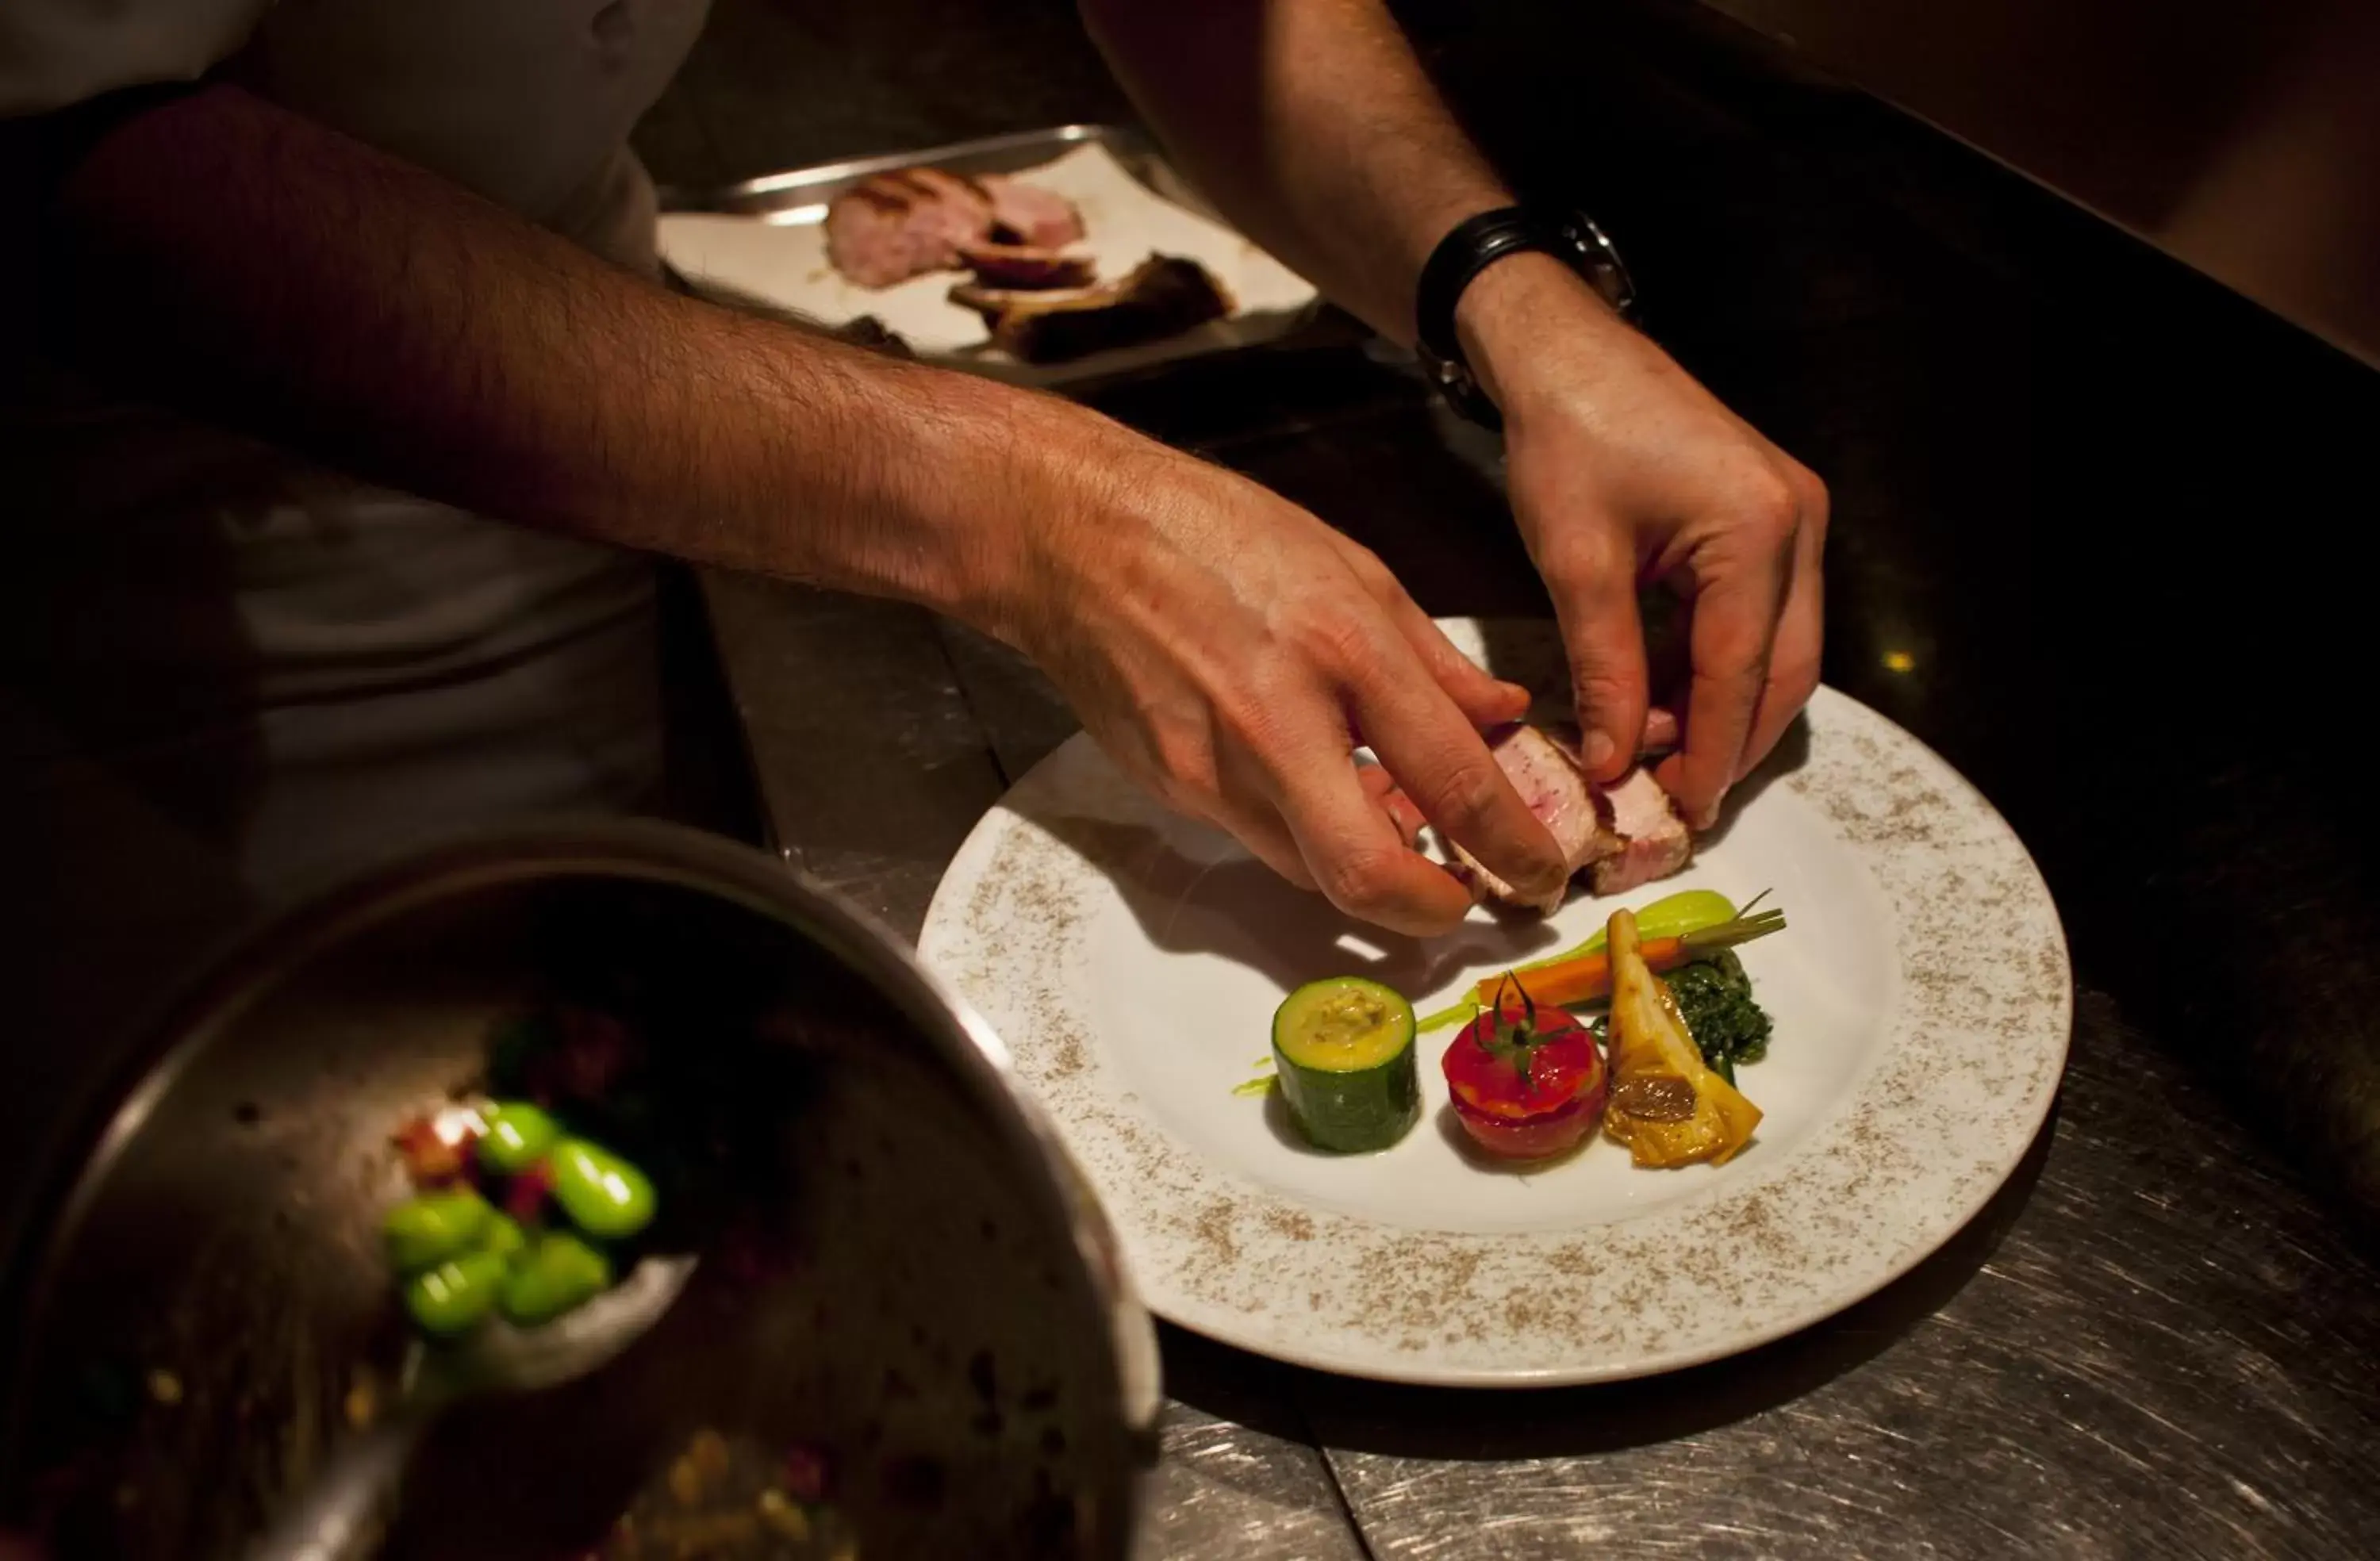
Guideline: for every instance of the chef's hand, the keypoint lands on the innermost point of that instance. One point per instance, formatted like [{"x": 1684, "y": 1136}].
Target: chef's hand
[
  {"x": 1230, "y": 650},
  {"x": 1623, "y": 470}
]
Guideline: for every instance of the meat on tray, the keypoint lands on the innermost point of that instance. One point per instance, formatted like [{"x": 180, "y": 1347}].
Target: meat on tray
[
  {"x": 1026, "y": 265},
  {"x": 1163, "y": 297},
  {"x": 1621, "y": 836},
  {"x": 1034, "y": 216},
  {"x": 892, "y": 226}
]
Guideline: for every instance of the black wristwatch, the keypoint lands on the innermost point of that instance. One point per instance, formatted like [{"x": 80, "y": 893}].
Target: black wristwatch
[{"x": 1473, "y": 246}]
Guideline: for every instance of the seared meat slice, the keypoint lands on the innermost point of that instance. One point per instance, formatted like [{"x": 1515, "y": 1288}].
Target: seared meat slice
[
  {"x": 1163, "y": 297},
  {"x": 1037, "y": 218},
  {"x": 1658, "y": 843},
  {"x": 1621, "y": 836},
  {"x": 1025, "y": 266},
  {"x": 893, "y": 226},
  {"x": 1546, "y": 774}
]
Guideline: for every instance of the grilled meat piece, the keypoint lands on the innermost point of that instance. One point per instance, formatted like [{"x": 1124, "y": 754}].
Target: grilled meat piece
[
  {"x": 890, "y": 227},
  {"x": 893, "y": 226},
  {"x": 1658, "y": 843},
  {"x": 1027, "y": 214},
  {"x": 1163, "y": 297},
  {"x": 1621, "y": 836},
  {"x": 1546, "y": 774},
  {"x": 1025, "y": 266}
]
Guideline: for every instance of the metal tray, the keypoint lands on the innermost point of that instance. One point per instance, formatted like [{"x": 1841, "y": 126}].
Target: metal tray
[{"x": 800, "y": 197}]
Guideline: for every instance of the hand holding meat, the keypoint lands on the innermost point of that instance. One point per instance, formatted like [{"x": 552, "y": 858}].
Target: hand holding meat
[
  {"x": 1230, "y": 650},
  {"x": 1623, "y": 470}
]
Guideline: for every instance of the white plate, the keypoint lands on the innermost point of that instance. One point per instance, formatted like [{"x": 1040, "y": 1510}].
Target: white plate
[{"x": 1132, "y": 961}]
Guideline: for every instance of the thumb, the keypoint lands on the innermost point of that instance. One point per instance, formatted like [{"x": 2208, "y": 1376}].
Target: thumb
[{"x": 1484, "y": 699}]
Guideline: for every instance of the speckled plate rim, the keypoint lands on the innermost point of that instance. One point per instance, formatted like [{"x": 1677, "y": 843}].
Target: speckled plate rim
[{"x": 1983, "y": 995}]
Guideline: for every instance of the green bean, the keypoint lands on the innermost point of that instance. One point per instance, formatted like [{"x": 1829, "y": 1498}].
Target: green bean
[
  {"x": 518, "y": 1136},
  {"x": 603, "y": 1193},
  {"x": 427, "y": 1230},
  {"x": 452, "y": 1297},
  {"x": 554, "y": 1273}
]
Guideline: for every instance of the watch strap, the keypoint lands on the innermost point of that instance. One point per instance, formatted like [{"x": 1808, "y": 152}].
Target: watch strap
[{"x": 1470, "y": 248}]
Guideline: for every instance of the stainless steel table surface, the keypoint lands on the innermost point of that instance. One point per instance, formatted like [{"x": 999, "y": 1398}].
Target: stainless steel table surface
[{"x": 2153, "y": 1343}]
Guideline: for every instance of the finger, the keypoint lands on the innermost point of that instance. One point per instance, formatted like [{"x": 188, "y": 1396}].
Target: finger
[
  {"x": 1254, "y": 825},
  {"x": 1660, "y": 732},
  {"x": 1737, "y": 600},
  {"x": 1793, "y": 662},
  {"x": 1441, "y": 764},
  {"x": 1383, "y": 788},
  {"x": 1198, "y": 795},
  {"x": 1595, "y": 602},
  {"x": 1357, "y": 858},
  {"x": 1360, "y": 862},
  {"x": 1485, "y": 699},
  {"x": 1289, "y": 772},
  {"x": 1268, "y": 838}
]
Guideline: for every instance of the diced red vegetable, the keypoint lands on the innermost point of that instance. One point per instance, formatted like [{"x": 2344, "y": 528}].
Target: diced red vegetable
[
  {"x": 525, "y": 1196},
  {"x": 429, "y": 1160}
]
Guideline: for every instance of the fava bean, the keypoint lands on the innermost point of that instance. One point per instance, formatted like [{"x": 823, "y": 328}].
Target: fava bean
[
  {"x": 603, "y": 1194},
  {"x": 427, "y": 1230},
  {"x": 451, "y": 1298},
  {"x": 555, "y": 1272},
  {"x": 518, "y": 1136}
]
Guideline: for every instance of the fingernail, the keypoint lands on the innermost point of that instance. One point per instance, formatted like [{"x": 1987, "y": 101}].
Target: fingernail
[{"x": 1598, "y": 749}]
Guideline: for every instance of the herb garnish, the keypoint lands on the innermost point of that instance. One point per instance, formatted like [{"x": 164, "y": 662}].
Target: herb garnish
[{"x": 1514, "y": 1041}]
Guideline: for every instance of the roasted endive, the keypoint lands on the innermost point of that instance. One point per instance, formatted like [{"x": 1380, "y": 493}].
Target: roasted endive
[{"x": 1664, "y": 1103}]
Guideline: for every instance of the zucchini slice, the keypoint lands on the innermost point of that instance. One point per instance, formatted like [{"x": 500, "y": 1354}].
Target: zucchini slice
[{"x": 1344, "y": 1049}]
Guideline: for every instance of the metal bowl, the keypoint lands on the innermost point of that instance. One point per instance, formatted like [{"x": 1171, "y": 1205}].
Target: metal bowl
[{"x": 914, "y": 1290}]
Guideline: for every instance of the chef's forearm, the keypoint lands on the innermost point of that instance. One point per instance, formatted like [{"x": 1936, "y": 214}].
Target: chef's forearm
[
  {"x": 1312, "y": 124},
  {"x": 240, "y": 260}
]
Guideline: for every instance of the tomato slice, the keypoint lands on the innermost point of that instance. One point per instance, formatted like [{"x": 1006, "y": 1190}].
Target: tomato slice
[
  {"x": 1532, "y": 1138},
  {"x": 1485, "y": 1075}
]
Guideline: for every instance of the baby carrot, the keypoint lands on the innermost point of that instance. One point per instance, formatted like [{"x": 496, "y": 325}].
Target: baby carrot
[{"x": 1587, "y": 976}]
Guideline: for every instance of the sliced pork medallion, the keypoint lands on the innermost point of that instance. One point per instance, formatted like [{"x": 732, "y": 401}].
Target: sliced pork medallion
[
  {"x": 1621, "y": 836},
  {"x": 893, "y": 226},
  {"x": 1658, "y": 843},
  {"x": 1546, "y": 774},
  {"x": 1027, "y": 214}
]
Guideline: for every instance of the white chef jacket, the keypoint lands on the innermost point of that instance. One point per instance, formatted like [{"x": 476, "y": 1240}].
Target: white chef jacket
[{"x": 228, "y": 673}]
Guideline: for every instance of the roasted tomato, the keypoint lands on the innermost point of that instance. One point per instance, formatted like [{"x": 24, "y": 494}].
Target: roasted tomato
[
  {"x": 1531, "y": 1138},
  {"x": 1525, "y": 1080}
]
